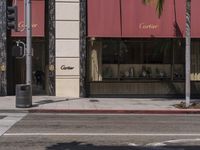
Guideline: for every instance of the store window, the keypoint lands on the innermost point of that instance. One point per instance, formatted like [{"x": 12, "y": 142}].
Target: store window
[
  {"x": 135, "y": 59},
  {"x": 179, "y": 59}
]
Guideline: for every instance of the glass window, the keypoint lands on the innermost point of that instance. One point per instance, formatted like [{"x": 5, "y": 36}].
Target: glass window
[
  {"x": 179, "y": 59},
  {"x": 110, "y": 50},
  {"x": 133, "y": 59}
]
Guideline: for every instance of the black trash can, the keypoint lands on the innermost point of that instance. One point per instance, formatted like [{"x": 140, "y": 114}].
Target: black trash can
[{"x": 23, "y": 96}]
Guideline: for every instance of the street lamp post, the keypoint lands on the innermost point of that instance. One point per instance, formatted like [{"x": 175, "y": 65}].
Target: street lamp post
[
  {"x": 28, "y": 44},
  {"x": 24, "y": 91}
]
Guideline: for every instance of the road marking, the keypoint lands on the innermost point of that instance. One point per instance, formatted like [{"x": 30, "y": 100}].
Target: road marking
[
  {"x": 10, "y": 119},
  {"x": 178, "y": 141},
  {"x": 97, "y": 134},
  {"x": 183, "y": 140}
]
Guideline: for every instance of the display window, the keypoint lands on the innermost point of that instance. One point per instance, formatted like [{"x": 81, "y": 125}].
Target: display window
[{"x": 136, "y": 59}]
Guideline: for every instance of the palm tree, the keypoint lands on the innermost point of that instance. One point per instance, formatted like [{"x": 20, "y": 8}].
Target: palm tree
[
  {"x": 159, "y": 9},
  {"x": 187, "y": 51}
]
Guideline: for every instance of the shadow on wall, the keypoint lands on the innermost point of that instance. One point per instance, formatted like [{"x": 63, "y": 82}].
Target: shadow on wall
[{"x": 85, "y": 146}]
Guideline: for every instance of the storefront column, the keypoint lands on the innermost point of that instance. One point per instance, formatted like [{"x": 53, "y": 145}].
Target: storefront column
[
  {"x": 67, "y": 55},
  {"x": 51, "y": 47},
  {"x": 3, "y": 37},
  {"x": 83, "y": 34}
]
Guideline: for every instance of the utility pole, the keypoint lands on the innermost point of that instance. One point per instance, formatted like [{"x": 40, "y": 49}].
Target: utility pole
[{"x": 28, "y": 23}]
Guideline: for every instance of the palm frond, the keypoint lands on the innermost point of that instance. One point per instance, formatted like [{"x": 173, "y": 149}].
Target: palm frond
[
  {"x": 146, "y": 1},
  {"x": 159, "y": 5}
]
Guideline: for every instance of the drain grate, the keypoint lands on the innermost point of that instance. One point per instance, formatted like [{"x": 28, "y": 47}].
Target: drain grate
[
  {"x": 94, "y": 100},
  {"x": 1, "y": 117}
]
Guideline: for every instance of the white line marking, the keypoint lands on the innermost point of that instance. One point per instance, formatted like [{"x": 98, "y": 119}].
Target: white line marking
[
  {"x": 96, "y": 134},
  {"x": 182, "y": 140},
  {"x": 10, "y": 119},
  {"x": 178, "y": 141}
]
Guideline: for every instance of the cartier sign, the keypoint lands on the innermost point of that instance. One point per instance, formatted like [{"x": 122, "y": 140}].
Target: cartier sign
[
  {"x": 21, "y": 26},
  {"x": 38, "y": 18},
  {"x": 64, "y": 67},
  {"x": 67, "y": 66},
  {"x": 151, "y": 26}
]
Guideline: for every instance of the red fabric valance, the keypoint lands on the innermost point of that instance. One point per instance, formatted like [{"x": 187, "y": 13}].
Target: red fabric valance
[
  {"x": 38, "y": 19},
  {"x": 104, "y": 18},
  {"x": 139, "y": 20},
  {"x": 195, "y": 18},
  {"x": 131, "y": 18}
]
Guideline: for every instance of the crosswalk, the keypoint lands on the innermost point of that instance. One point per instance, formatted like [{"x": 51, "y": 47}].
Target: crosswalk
[{"x": 7, "y": 120}]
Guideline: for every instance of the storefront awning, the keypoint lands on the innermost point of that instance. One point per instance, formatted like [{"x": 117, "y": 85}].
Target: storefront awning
[
  {"x": 134, "y": 19},
  {"x": 104, "y": 18},
  {"x": 38, "y": 19},
  {"x": 195, "y": 18},
  {"x": 139, "y": 20}
]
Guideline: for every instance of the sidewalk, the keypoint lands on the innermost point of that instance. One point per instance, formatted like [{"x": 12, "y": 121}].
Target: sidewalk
[{"x": 97, "y": 105}]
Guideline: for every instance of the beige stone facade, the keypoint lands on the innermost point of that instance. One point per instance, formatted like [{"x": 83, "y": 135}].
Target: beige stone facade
[{"x": 67, "y": 48}]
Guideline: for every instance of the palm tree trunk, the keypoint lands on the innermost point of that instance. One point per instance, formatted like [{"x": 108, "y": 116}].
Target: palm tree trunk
[
  {"x": 187, "y": 52},
  {"x": 159, "y": 9}
]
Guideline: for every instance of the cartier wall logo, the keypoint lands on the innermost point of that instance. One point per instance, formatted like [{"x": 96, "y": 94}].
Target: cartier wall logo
[
  {"x": 63, "y": 67},
  {"x": 21, "y": 26},
  {"x": 144, "y": 26}
]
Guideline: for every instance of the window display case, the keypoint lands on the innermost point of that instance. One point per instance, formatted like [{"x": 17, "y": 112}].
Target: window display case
[
  {"x": 135, "y": 60},
  {"x": 136, "y": 71}
]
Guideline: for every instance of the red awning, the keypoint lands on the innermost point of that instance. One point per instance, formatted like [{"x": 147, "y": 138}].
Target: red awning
[
  {"x": 139, "y": 20},
  {"x": 195, "y": 19},
  {"x": 104, "y": 18},
  {"x": 38, "y": 19}
]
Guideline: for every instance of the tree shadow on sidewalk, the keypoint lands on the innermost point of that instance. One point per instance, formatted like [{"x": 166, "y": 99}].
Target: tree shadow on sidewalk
[
  {"x": 85, "y": 146},
  {"x": 43, "y": 102}
]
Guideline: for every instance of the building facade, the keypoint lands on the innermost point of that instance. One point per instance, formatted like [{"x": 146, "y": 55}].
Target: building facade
[{"x": 103, "y": 48}]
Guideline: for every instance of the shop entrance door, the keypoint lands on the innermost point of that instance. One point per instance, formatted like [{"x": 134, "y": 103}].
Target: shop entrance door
[
  {"x": 38, "y": 69},
  {"x": 17, "y": 69}
]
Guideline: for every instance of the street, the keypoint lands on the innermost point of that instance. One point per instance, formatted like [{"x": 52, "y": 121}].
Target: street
[{"x": 40, "y": 131}]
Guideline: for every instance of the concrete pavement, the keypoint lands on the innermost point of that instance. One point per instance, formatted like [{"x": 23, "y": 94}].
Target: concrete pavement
[{"x": 109, "y": 105}]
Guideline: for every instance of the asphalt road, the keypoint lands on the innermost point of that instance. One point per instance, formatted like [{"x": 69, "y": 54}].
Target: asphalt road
[{"x": 103, "y": 132}]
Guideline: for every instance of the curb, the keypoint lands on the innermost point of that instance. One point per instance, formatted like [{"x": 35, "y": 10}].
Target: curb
[
  {"x": 13, "y": 111},
  {"x": 185, "y": 111}
]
